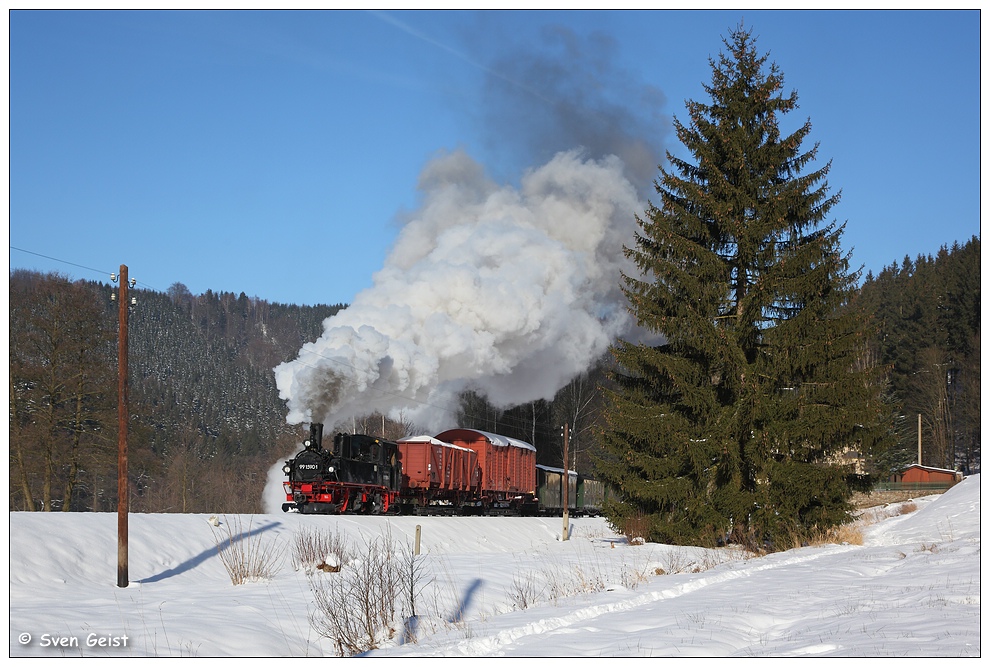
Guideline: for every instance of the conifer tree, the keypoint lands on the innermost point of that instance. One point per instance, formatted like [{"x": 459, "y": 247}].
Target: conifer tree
[{"x": 729, "y": 429}]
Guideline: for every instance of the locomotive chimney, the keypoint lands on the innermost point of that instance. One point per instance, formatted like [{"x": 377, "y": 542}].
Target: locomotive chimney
[{"x": 316, "y": 436}]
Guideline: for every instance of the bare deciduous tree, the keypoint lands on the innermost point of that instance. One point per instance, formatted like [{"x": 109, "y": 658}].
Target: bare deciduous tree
[{"x": 61, "y": 388}]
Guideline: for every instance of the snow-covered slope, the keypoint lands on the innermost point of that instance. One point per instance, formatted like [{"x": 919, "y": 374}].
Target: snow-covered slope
[{"x": 911, "y": 589}]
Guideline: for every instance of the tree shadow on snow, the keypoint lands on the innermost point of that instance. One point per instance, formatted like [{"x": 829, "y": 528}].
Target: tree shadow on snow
[
  {"x": 412, "y": 623},
  {"x": 409, "y": 630},
  {"x": 465, "y": 601},
  {"x": 197, "y": 560}
]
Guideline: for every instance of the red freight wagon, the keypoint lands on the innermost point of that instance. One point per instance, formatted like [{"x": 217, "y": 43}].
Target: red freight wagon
[
  {"x": 437, "y": 472},
  {"x": 508, "y": 467}
]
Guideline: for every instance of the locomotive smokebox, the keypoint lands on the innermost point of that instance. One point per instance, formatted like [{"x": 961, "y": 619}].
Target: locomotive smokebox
[{"x": 316, "y": 436}]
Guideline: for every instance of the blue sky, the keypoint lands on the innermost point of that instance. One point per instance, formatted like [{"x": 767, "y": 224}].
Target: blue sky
[{"x": 278, "y": 153}]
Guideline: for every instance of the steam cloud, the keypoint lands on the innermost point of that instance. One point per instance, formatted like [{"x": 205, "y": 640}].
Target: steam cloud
[
  {"x": 506, "y": 291},
  {"x": 509, "y": 291}
]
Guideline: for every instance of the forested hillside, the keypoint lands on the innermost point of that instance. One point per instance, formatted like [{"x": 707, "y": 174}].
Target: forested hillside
[
  {"x": 205, "y": 362},
  {"x": 206, "y": 419},
  {"x": 207, "y": 422},
  {"x": 927, "y": 321}
]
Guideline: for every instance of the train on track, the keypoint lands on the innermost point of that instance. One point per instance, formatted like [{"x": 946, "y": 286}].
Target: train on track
[{"x": 459, "y": 471}]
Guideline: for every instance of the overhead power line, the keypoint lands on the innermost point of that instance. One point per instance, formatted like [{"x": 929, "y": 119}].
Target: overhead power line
[
  {"x": 56, "y": 259},
  {"x": 81, "y": 266}
]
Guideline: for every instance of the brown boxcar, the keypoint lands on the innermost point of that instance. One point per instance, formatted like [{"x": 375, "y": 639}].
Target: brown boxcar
[
  {"x": 437, "y": 472},
  {"x": 508, "y": 466}
]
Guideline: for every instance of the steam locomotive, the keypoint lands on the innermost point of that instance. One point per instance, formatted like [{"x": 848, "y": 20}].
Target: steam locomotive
[
  {"x": 459, "y": 471},
  {"x": 360, "y": 474}
]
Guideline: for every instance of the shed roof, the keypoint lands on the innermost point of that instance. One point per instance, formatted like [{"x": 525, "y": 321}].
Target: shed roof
[{"x": 928, "y": 468}]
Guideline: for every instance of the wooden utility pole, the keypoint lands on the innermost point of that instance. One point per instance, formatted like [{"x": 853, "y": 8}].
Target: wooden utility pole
[
  {"x": 123, "y": 417},
  {"x": 567, "y": 486}
]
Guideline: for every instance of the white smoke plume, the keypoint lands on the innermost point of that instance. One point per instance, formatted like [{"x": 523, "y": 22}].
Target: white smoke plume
[{"x": 509, "y": 292}]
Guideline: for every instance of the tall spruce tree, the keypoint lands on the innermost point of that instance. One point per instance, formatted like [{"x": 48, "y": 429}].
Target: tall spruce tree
[{"x": 729, "y": 431}]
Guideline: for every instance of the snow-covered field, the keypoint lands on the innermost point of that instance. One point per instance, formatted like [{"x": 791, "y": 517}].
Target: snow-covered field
[{"x": 911, "y": 589}]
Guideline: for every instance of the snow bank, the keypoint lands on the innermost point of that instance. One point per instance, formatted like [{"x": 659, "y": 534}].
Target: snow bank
[{"x": 506, "y": 587}]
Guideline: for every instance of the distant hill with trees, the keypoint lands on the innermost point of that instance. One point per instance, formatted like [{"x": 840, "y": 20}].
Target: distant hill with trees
[
  {"x": 207, "y": 423},
  {"x": 926, "y": 315},
  {"x": 206, "y": 419}
]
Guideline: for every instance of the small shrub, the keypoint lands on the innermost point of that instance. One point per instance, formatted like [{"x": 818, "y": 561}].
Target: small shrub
[
  {"x": 907, "y": 508},
  {"x": 633, "y": 577},
  {"x": 636, "y": 528},
  {"x": 360, "y": 607},
  {"x": 848, "y": 533},
  {"x": 524, "y": 591},
  {"x": 246, "y": 556},
  {"x": 678, "y": 560},
  {"x": 314, "y": 549},
  {"x": 591, "y": 581}
]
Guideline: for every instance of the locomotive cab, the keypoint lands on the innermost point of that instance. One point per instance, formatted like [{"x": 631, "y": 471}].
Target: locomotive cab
[{"x": 362, "y": 459}]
